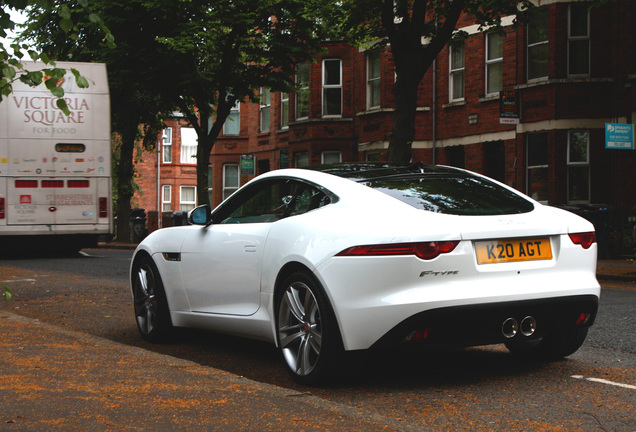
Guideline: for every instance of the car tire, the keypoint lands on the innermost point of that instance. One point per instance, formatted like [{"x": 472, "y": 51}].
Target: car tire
[
  {"x": 552, "y": 346},
  {"x": 307, "y": 332},
  {"x": 151, "y": 306}
]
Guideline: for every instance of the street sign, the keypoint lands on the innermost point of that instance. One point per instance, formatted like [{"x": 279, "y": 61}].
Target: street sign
[{"x": 619, "y": 136}]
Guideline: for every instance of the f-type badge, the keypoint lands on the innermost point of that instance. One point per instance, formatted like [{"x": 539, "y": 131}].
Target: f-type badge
[{"x": 439, "y": 273}]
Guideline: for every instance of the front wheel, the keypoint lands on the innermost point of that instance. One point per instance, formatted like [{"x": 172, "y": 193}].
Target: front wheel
[
  {"x": 307, "y": 332},
  {"x": 151, "y": 306}
]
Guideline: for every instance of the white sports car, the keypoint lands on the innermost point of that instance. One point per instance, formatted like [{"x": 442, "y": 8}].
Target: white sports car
[{"x": 357, "y": 256}]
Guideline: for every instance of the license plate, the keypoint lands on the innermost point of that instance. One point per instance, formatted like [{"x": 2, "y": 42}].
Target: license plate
[{"x": 513, "y": 250}]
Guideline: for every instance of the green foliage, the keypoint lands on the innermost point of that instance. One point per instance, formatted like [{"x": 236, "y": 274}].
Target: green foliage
[
  {"x": 7, "y": 293},
  {"x": 11, "y": 59}
]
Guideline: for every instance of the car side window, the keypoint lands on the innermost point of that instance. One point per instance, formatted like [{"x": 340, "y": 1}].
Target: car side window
[{"x": 269, "y": 201}]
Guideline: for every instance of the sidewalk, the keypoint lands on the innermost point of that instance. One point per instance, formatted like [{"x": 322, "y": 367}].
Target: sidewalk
[
  {"x": 616, "y": 270},
  {"x": 59, "y": 380}
]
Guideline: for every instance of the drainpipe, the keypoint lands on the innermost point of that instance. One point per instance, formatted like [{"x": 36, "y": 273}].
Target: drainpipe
[{"x": 434, "y": 112}]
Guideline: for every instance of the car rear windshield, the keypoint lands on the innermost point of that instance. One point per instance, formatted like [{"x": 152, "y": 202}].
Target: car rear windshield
[{"x": 457, "y": 195}]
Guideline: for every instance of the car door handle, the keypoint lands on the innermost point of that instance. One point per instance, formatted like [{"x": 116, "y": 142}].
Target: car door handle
[{"x": 250, "y": 248}]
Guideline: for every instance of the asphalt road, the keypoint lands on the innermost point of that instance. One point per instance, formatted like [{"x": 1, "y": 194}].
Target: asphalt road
[{"x": 474, "y": 389}]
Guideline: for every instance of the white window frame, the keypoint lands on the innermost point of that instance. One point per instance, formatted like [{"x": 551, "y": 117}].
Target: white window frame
[
  {"x": 229, "y": 189},
  {"x": 233, "y": 128},
  {"x": 188, "y": 146},
  {"x": 166, "y": 145},
  {"x": 284, "y": 110},
  {"x": 537, "y": 44},
  {"x": 166, "y": 198},
  {"x": 329, "y": 154},
  {"x": 265, "y": 106},
  {"x": 577, "y": 39},
  {"x": 456, "y": 71},
  {"x": 493, "y": 62},
  {"x": 186, "y": 204},
  {"x": 373, "y": 81},
  {"x": 579, "y": 164},
  {"x": 329, "y": 88},
  {"x": 302, "y": 109}
]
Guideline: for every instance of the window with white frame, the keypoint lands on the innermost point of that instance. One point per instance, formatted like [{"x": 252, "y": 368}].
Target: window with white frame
[
  {"x": 166, "y": 198},
  {"x": 187, "y": 198},
  {"x": 166, "y": 145},
  {"x": 578, "y": 166},
  {"x": 332, "y": 87},
  {"x": 537, "y": 166},
  {"x": 456, "y": 78},
  {"x": 302, "y": 95},
  {"x": 230, "y": 179},
  {"x": 188, "y": 146},
  {"x": 232, "y": 125},
  {"x": 538, "y": 44},
  {"x": 284, "y": 110},
  {"x": 331, "y": 157},
  {"x": 494, "y": 63},
  {"x": 578, "y": 39},
  {"x": 265, "y": 107},
  {"x": 373, "y": 79},
  {"x": 210, "y": 183}
]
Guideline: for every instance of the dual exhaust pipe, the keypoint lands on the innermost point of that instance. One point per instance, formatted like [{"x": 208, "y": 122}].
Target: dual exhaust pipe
[{"x": 526, "y": 327}]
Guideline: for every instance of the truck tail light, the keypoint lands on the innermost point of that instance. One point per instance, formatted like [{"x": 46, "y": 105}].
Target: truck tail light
[
  {"x": 103, "y": 207},
  {"x": 2, "y": 214}
]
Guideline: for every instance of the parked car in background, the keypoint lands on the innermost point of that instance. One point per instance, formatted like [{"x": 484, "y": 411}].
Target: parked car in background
[{"x": 360, "y": 256}]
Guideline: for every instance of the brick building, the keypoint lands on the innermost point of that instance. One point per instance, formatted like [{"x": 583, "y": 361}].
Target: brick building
[{"x": 566, "y": 73}]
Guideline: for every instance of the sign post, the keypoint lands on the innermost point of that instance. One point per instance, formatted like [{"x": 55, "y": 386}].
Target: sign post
[
  {"x": 509, "y": 107},
  {"x": 619, "y": 136},
  {"x": 248, "y": 165}
]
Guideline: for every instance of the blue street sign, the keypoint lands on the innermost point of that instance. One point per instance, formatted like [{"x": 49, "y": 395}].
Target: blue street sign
[{"x": 619, "y": 136}]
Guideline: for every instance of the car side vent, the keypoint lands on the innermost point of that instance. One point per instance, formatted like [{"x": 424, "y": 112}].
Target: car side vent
[{"x": 172, "y": 256}]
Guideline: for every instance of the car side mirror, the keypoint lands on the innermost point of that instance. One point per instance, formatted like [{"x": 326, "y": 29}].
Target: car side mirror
[{"x": 200, "y": 215}]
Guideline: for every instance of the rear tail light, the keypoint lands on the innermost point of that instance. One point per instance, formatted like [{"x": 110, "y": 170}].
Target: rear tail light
[
  {"x": 26, "y": 183},
  {"x": 2, "y": 208},
  {"x": 78, "y": 184},
  {"x": 103, "y": 207},
  {"x": 52, "y": 183},
  {"x": 422, "y": 250},
  {"x": 585, "y": 239}
]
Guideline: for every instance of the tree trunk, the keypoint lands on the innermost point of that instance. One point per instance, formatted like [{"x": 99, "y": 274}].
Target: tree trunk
[
  {"x": 403, "y": 133},
  {"x": 125, "y": 172}
]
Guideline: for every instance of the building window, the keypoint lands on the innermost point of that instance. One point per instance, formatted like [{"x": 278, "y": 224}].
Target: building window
[
  {"x": 332, "y": 87},
  {"x": 188, "y": 146},
  {"x": 265, "y": 106},
  {"x": 302, "y": 96},
  {"x": 494, "y": 63},
  {"x": 188, "y": 198},
  {"x": 230, "y": 179},
  {"x": 578, "y": 166},
  {"x": 456, "y": 79},
  {"x": 578, "y": 39},
  {"x": 284, "y": 110},
  {"x": 538, "y": 44},
  {"x": 537, "y": 166},
  {"x": 301, "y": 159},
  {"x": 331, "y": 157},
  {"x": 232, "y": 125},
  {"x": 166, "y": 145},
  {"x": 373, "y": 79},
  {"x": 166, "y": 198}
]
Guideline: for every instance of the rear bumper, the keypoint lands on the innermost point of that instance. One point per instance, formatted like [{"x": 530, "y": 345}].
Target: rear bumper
[{"x": 483, "y": 324}]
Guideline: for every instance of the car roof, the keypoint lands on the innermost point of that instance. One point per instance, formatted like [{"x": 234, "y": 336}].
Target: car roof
[{"x": 364, "y": 171}]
